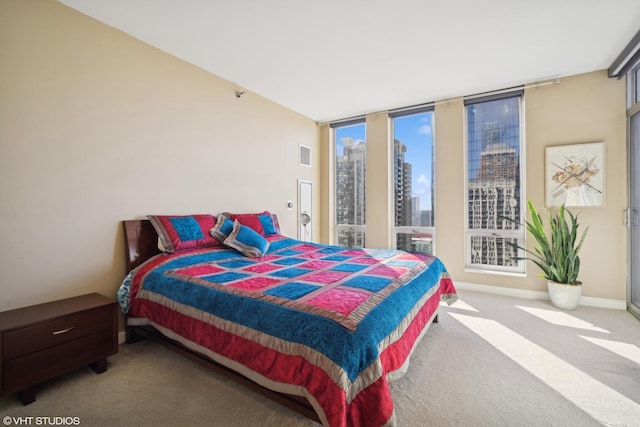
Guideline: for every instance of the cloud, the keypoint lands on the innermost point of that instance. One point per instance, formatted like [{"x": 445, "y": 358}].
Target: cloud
[
  {"x": 424, "y": 130},
  {"x": 422, "y": 186},
  {"x": 422, "y": 189}
]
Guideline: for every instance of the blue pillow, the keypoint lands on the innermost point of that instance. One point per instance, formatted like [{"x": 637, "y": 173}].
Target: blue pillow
[
  {"x": 247, "y": 241},
  {"x": 222, "y": 229},
  {"x": 267, "y": 224}
]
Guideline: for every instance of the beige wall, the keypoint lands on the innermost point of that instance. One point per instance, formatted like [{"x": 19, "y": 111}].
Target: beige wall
[
  {"x": 379, "y": 157},
  {"x": 97, "y": 127},
  {"x": 584, "y": 108}
]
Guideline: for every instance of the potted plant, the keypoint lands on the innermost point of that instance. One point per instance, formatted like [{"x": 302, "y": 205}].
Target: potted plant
[{"x": 557, "y": 254}]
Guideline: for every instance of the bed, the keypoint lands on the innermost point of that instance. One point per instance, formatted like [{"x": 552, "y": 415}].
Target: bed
[{"x": 321, "y": 329}]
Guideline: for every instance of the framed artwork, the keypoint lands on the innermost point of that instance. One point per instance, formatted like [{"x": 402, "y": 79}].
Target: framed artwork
[{"x": 575, "y": 174}]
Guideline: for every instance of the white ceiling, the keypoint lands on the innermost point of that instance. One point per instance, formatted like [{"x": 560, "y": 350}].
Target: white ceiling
[{"x": 333, "y": 59}]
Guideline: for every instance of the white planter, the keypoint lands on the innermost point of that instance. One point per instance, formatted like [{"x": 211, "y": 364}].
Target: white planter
[{"x": 564, "y": 296}]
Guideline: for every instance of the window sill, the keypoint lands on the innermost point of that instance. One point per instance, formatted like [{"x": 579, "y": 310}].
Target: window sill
[{"x": 495, "y": 272}]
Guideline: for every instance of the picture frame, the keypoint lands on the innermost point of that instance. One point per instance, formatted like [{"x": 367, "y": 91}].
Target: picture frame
[{"x": 575, "y": 174}]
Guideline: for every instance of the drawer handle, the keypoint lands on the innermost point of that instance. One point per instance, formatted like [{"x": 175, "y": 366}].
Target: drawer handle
[{"x": 63, "y": 331}]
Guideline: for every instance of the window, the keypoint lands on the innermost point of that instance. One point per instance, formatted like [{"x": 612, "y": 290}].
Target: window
[
  {"x": 633, "y": 86},
  {"x": 636, "y": 80},
  {"x": 494, "y": 182},
  {"x": 350, "y": 169},
  {"x": 413, "y": 180}
]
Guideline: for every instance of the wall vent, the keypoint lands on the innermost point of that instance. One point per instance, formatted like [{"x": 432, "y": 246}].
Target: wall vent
[{"x": 305, "y": 155}]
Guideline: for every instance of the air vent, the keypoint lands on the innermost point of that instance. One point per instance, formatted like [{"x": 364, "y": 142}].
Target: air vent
[{"x": 305, "y": 155}]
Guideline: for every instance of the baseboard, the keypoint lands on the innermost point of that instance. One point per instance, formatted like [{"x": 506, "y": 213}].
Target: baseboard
[
  {"x": 604, "y": 303},
  {"x": 522, "y": 293}
]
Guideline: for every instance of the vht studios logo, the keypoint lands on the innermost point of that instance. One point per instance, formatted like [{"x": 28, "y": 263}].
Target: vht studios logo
[{"x": 41, "y": 421}]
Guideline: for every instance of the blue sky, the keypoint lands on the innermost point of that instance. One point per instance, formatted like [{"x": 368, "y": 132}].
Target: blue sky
[
  {"x": 355, "y": 132},
  {"x": 416, "y": 133}
]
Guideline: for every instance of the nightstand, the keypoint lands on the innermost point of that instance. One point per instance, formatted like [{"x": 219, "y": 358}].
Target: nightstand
[{"x": 43, "y": 341}]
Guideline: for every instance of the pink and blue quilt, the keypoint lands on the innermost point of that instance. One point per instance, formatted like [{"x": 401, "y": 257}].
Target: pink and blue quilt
[{"x": 328, "y": 323}]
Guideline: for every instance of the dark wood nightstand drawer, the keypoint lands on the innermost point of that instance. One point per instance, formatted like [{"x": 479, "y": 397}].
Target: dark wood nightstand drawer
[
  {"x": 36, "y": 367},
  {"x": 55, "y": 332},
  {"x": 43, "y": 341}
]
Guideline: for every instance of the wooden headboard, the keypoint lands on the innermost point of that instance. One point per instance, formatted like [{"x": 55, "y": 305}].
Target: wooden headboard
[{"x": 141, "y": 242}]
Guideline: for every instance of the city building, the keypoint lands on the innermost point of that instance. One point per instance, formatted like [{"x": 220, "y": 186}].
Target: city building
[
  {"x": 350, "y": 183},
  {"x": 493, "y": 196}
]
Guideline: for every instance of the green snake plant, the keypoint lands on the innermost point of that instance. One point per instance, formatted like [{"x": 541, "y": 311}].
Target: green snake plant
[{"x": 556, "y": 255}]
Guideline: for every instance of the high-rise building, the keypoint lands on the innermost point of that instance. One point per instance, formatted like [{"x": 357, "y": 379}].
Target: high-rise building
[
  {"x": 403, "y": 202},
  {"x": 493, "y": 196},
  {"x": 351, "y": 203},
  {"x": 416, "y": 217},
  {"x": 350, "y": 184},
  {"x": 426, "y": 218}
]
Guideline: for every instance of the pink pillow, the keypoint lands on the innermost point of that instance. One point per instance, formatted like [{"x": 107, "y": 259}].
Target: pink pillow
[
  {"x": 264, "y": 223},
  {"x": 180, "y": 233}
]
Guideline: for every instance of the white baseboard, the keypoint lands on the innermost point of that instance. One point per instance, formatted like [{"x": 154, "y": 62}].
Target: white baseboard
[
  {"x": 604, "y": 303},
  {"x": 522, "y": 293}
]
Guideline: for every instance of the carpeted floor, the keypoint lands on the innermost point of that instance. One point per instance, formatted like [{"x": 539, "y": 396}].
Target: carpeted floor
[{"x": 491, "y": 361}]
